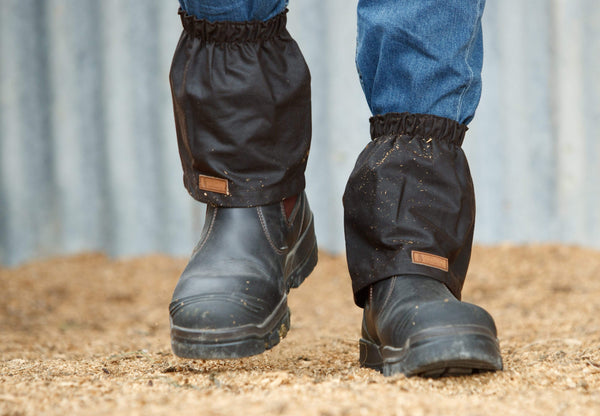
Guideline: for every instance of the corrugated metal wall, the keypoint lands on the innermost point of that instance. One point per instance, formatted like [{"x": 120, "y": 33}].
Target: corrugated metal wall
[
  {"x": 88, "y": 157},
  {"x": 535, "y": 146}
]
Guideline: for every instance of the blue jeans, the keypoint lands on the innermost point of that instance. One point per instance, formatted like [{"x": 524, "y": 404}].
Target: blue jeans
[{"x": 416, "y": 56}]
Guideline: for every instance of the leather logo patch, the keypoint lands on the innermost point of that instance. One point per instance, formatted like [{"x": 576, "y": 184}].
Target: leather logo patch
[
  {"x": 430, "y": 260},
  {"x": 212, "y": 184}
]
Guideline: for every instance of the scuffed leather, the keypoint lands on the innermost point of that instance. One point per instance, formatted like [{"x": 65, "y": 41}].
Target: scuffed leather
[
  {"x": 402, "y": 306},
  {"x": 239, "y": 271}
]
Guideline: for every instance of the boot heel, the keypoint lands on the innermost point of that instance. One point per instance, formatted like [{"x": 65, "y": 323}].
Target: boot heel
[{"x": 370, "y": 356}]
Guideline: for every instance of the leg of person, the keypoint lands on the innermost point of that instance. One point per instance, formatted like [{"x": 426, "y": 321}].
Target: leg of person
[
  {"x": 409, "y": 203},
  {"x": 241, "y": 94},
  {"x": 233, "y": 10}
]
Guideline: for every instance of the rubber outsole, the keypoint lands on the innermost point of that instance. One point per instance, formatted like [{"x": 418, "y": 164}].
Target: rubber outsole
[
  {"x": 185, "y": 345},
  {"x": 249, "y": 340},
  {"x": 439, "y": 352}
]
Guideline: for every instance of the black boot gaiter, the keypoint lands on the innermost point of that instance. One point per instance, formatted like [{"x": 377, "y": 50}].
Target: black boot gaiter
[
  {"x": 409, "y": 203},
  {"x": 241, "y": 95}
]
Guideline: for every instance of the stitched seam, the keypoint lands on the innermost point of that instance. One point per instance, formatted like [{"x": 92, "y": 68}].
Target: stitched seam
[
  {"x": 255, "y": 305},
  {"x": 210, "y": 228},
  {"x": 472, "y": 74},
  {"x": 264, "y": 227}
]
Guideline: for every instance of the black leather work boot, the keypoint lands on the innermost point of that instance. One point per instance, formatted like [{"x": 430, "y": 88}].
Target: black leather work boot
[
  {"x": 242, "y": 105},
  {"x": 414, "y": 325},
  {"x": 231, "y": 300},
  {"x": 409, "y": 216}
]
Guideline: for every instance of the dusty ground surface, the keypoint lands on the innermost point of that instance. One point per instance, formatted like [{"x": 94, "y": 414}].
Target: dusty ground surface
[{"x": 89, "y": 335}]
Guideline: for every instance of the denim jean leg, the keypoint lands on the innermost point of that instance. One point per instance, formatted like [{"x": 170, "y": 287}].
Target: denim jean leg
[
  {"x": 421, "y": 56},
  {"x": 233, "y": 10}
]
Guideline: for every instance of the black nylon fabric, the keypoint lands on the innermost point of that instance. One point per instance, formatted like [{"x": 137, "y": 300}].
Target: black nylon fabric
[
  {"x": 411, "y": 189},
  {"x": 241, "y": 96}
]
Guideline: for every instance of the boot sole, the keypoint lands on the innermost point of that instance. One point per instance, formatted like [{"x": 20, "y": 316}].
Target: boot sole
[
  {"x": 436, "y": 352},
  {"x": 232, "y": 343}
]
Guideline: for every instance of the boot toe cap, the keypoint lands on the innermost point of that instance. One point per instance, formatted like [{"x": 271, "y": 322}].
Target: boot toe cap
[
  {"x": 218, "y": 310},
  {"x": 443, "y": 316}
]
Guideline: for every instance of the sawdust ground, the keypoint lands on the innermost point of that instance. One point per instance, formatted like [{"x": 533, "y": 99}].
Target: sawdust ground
[{"x": 89, "y": 335}]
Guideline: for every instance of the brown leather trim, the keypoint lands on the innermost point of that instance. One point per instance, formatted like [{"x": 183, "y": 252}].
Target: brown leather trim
[
  {"x": 430, "y": 260},
  {"x": 212, "y": 184}
]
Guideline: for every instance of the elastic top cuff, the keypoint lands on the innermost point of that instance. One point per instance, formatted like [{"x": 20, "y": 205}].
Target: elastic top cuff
[
  {"x": 421, "y": 125},
  {"x": 226, "y": 31}
]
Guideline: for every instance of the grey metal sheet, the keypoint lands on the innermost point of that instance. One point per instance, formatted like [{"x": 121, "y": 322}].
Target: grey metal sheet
[{"x": 88, "y": 157}]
